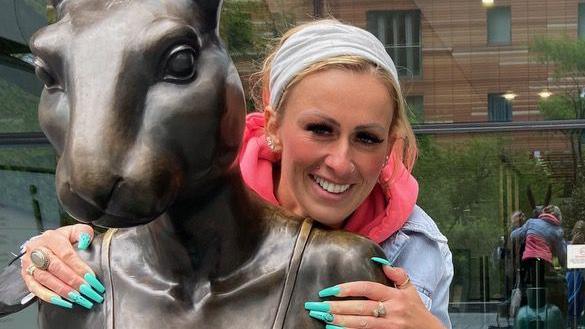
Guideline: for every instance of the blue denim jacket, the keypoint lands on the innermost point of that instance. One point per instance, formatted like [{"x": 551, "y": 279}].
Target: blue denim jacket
[{"x": 422, "y": 250}]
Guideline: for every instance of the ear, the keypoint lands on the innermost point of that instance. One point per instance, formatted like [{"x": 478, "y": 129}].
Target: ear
[
  {"x": 210, "y": 10},
  {"x": 272, "y": 126}
]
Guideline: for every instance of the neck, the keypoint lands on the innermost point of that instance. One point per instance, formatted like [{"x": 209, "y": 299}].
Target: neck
[{"x": 220, "y": 231}]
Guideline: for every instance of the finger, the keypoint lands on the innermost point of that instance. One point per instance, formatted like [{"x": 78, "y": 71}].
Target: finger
[
  {"x": 60, "y": 244},
  {"x": 52, "y": 283},
  {"x": 370, "y": 290},
  {"x": 352, "y": 321},
  {"x": 80, "y": 233},
  {"x": 43, "y": 293},
  {"x": 346, "y": 307},
  {"x": 65, "y": 274},
  {"x": 398, "y": 276}
]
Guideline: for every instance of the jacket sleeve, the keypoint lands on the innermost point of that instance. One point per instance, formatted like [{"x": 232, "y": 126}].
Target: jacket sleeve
[
  {"x": 519, "y": 234},
  {"x": 12, "y": 291}
]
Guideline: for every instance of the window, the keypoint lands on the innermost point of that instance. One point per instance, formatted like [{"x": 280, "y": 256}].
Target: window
[
  {"x": 399, "y": 31},
  {"x": 499, "y": 109},
  {"x": 499, "y": 26},
  {"x": 416, "y": 108},
  {"x": 581, "y": 22}
]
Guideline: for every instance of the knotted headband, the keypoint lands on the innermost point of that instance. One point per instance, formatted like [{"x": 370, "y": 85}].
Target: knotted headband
[{"x": 319, "y": 41}]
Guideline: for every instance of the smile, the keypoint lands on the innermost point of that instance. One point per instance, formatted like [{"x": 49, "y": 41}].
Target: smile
[{"x": 329, "y": 186}]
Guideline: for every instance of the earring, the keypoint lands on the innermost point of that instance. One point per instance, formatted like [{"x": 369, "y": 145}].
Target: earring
[
  {"x": 270, "y": 143},
  {"x": 385, "y": 161}
]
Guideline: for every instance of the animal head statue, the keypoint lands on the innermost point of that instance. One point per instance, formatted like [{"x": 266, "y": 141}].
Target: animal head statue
[
  {"x": 537, "y": 208},
  {"x": 141, "y": 103}
]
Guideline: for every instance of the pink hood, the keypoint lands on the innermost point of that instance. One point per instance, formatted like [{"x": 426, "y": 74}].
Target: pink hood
[{"x": 381, "y": 214}]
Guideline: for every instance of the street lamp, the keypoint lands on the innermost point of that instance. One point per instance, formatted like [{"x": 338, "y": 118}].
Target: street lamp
[
  {"x": 487, "y": 3},
  {"x": 509, "y": 96}
]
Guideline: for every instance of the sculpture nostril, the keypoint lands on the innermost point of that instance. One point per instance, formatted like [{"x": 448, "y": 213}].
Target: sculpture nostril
[{"x": 98, "y": 196}]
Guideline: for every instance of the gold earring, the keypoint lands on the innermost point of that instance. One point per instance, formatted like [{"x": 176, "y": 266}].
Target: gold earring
[{"x": 270, "y": 143}]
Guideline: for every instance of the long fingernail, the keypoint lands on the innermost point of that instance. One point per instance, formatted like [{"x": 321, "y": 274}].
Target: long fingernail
[
  {"x": 332, "y": 326},
  {"x": 27, "y": 298},
  {"x": 56, "y": 300},
  {"x": 331, "y": 291},
  {"x": 317, "y": 306},
  {"x": 84, "y": 241},
  {"x": 327, "y": 317},
  {"x": 86, "y": 290},
  {"x": 381, "y": 261},
  {"x": 77, "y": 298},
  {"x": 94, "y": 282}
]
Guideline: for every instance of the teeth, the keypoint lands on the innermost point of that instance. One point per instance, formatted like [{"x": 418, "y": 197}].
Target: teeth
[{"x": 331, "y": 187}]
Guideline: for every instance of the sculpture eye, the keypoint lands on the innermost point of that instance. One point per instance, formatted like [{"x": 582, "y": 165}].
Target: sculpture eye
[
  {"x": 180, "y": 65},
  {"x": 43, "y": 72}
]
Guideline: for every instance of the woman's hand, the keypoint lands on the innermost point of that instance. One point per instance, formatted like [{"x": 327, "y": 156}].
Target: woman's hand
[
  {"x": 399, "y": 307},
  {"x": 66, "y": 278}
]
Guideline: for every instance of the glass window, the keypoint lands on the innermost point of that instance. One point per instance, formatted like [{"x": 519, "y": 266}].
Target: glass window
[
  {"x": 499, "y": 108},
  {"x": 400, "y": 33},
  {"x": 581, "y": 27},
  {"x": 416, "y": 108},
  {"x": 499, "y": 26}
]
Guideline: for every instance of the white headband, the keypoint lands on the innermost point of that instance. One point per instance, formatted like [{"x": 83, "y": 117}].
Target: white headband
[{"x": 319, "y": 41}]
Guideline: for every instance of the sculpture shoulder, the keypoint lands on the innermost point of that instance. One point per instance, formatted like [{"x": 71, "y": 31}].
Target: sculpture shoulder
[{"x": 342, "y": 255}]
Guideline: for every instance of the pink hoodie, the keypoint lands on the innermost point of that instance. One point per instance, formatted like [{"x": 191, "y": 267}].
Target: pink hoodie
[{"x": 381, "y": 214}]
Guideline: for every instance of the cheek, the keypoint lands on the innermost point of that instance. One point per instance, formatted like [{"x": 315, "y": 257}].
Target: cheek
[{"x": 370, "y": 166}]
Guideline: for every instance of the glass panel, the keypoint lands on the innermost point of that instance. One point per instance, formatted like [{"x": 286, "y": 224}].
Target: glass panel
[
  {"x": 498, "y": 22},
  {"x": 581, "y": 29},
  {"x": 416, "y": 108}
]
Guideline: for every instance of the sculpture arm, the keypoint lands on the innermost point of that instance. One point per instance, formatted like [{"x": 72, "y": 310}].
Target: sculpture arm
[{"x": 12, "y": 290}]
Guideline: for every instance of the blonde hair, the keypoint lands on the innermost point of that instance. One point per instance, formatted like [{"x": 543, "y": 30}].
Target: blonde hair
[{"x": 401, "y": 135}]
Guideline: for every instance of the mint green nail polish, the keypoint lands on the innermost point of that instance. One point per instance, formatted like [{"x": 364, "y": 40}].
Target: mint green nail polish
[
  {"x": 327, "y": 317},
  {"x": 56, "y": 300},
  {"x": 381, "y": 261},
  {"x": 94, "y": 282},
  {"x": 86, "y": 290},
  {"x": 84, "y": 241},
  {"x": 328, "y": 292},
  {"x": 78, "y": 299},
  {"x": 332, "y": 326},
  {"x": 317, "y": 306}
]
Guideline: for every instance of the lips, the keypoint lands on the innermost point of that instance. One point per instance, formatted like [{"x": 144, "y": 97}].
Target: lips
[{"x": 330, "y": 186}]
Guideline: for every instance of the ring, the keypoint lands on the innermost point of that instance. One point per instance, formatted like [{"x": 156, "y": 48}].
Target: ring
[
  {"x": 31, "y": 269},
  {"x": 403, "y": 284},
  {"x": 40, "y": 259},
  {"x": 380, "y": 310}
]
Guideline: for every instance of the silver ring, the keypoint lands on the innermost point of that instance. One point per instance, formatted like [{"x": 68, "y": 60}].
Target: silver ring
[
  {"x": 380, "y": 310},
  {"x": 31, "y": 269},
  {"x": 40, "y": 259}
]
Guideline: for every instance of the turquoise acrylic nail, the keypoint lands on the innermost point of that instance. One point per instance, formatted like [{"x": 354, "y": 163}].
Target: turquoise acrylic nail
[
  {"x": 74, "y": 296},
  {"x": 331, "y": 291},
  {"x": 94, "y": 282},
  {"x": 332, "y": 326},
  {"x": 86, "y": 290},
  {"x": 84, "y": 241},
  {"x": 56, "y": 300},
  {"x": 381, "y": 261},
  {"x": 317, "y": 306},
  {"x": 327, "y": 317}
]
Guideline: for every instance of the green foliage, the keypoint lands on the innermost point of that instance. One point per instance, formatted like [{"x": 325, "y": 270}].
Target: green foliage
[
  {"x": 237, "y": 28},
  {"x": 567, "y": 54},
  {"x": 18, "y": 109},
  {"x": 562, "y": 107}
]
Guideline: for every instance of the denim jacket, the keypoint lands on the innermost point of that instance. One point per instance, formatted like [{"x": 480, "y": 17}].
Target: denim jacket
[{"x": 422, "y": 250}]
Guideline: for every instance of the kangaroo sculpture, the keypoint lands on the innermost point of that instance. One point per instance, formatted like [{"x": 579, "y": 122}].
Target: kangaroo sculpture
[{"x": 146, "y": 113}]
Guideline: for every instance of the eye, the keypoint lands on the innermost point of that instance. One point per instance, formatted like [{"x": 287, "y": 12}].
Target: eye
[
  {"x": 319, "y": 129},
  {"x": 368, "y": 138},
  {"x": 43, "y": 72},
  {"x": 180, "y": 64}
]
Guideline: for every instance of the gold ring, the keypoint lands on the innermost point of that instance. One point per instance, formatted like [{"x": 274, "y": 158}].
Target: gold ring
[
  {"x": 31, "y": 269},
  {"x": 380, "y": 310},
  {"x": 403, "y": 284},
  {"x": 40, "y": 259}
]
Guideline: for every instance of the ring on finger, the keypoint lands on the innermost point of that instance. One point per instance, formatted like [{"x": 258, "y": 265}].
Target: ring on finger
[
  {"x": 31, "y": 269},
  {"x": 40, "y": 259},
  {"x": 380, "y": 310},
  {"x": 403, "y": 284}
]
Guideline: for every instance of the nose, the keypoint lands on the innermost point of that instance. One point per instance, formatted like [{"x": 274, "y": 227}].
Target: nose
[{"x": 339, "y": 160}]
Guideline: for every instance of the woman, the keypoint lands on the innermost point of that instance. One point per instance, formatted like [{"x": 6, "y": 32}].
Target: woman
[{"x": 334, "y": 144}]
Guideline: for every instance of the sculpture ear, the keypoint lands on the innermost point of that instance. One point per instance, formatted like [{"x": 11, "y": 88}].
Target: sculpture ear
[
  {"x": 210, "y": 11},
  {"x": 531, "y": 198},
  {"x": 548, "y": 196}
]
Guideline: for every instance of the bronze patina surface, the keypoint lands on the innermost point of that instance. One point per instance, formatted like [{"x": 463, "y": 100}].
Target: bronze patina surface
[{"x": 146, "y": 112}]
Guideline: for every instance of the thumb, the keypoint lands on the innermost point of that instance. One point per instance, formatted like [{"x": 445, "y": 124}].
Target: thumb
[
  {"x": 80, "y": 233},
  {"x": 397, "y": 275}
]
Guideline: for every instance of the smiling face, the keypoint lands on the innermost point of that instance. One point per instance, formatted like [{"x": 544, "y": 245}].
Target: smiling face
[{"x": 333, "y": 134}]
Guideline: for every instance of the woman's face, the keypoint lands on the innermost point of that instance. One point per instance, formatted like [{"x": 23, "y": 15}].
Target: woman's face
[{"x": 334, "y": 138}]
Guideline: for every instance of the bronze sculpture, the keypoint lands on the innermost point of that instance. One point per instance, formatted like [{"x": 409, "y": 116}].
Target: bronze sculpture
[{"x": 146, "y": 111}]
